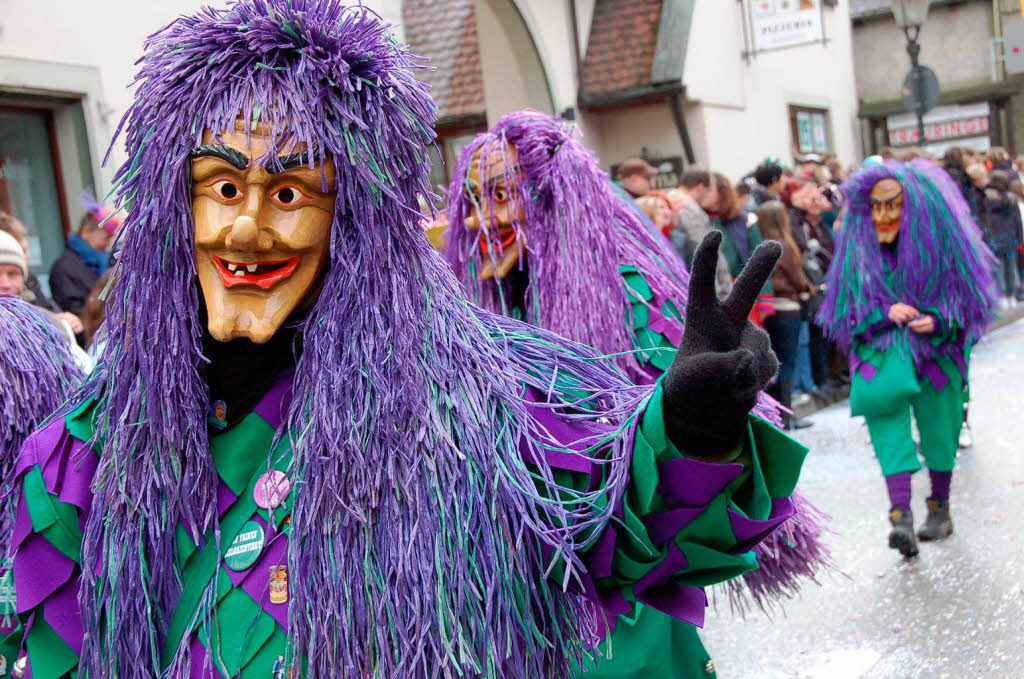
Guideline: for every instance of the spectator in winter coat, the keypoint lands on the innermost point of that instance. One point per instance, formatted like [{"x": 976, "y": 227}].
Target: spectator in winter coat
[
  {"x": 697, "y": 194},
  {"x": 84, "y": 260},
  {"x": 738, "y": 225},
  {"x": 767, "y": 184},
  {"x": 1002, "y": 231},
  {"x": 33, "y": 290},
  {"x": 14, "y": 272},
  {"x": 791, "y": 287}
]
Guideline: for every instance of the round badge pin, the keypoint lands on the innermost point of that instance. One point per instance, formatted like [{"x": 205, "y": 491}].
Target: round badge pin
[
  {"x": 246, "y": 547},
  {"x": 271, "y": 489}
]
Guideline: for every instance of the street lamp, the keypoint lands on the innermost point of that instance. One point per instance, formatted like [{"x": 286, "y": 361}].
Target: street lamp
[{"x": 910, "y": 15}]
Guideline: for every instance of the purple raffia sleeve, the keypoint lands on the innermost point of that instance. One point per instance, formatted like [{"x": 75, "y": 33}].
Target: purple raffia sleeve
[
  {"x": 682, "y": 524},
  {"x": 53, "y": 477}
]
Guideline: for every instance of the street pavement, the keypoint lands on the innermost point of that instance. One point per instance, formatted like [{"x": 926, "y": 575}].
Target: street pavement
[{"x": 955, "y": 611}]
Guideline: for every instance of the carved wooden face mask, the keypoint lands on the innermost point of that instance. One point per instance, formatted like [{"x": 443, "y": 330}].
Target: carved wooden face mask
[
  {"x": 262, "y": 233},
  {"x": 492, "y": 187},
  {"x": 887, "y": 209}
]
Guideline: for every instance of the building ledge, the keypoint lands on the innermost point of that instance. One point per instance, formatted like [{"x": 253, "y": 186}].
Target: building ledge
[
  {"x": 861, "y": 10},
  {"x": 879, "y": 108},
  {"x": 640, "y": 95}
]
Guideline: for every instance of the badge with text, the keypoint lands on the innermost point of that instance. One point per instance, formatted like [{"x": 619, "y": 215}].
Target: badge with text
[
  {"x": 246, "y": 547},
  {"x": 271, "y": 489},
  {"x": 8, "y": 600}
]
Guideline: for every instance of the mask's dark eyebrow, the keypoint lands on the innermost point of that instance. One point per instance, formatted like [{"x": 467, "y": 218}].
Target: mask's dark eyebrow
[
  {"x": 503, "y": 177},
  {"x": 289, "y": 162},
  {"x": 225, "y": 153}
]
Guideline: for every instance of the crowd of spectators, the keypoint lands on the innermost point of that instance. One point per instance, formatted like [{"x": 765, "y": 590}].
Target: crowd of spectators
[
  {"x": 797, "y": 207},
  {"x": 800, "y": 208},
  {"x": 75, "y": 280}
]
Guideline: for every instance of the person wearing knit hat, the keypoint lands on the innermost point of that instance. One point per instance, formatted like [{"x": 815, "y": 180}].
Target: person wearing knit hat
[
  {"x": 33, "y": 292},
  {"x": 13, "y": 267}
]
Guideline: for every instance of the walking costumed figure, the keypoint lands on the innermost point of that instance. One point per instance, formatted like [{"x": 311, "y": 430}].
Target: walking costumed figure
[
  {"x": 303, "y": 440},
  {"x": 536, "y": 231},
  {"x": 37, "y": 374},
  {"x": 909, "y": 293}
]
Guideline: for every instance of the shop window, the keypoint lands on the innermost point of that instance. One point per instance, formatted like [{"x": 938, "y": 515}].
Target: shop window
[
  {"x": 30, "y": 184},
  {"x": 809, "y": 129}
]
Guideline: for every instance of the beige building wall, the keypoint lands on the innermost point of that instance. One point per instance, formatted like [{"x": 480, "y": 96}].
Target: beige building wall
[
  {"x": 881, "y": 60},
  {"x": 88, "y": 50},
  {"x": 744, "y": 106}
]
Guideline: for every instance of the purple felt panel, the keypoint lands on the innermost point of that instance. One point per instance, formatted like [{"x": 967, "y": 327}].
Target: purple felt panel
[
  {"x": 61, "y": 612},
  {"x": 680, "y": 601},
  {"x": 276, "y": 402},
  {"x": 663, "y": 526},
  {"x": 749, "y": 531},
  {"x": 935, "y": 374},
  {"x": 32, "y": 583},
  {"x": 686, "y": 482}
]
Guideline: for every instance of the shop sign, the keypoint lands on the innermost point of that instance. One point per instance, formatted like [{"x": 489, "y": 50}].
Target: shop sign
[
  {"x": 785, "y": 23},
  {"x": 941, "y": 124}
]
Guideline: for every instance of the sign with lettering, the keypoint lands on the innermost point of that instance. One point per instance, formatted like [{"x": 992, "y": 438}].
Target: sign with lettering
[
  {"x": 944, "y": 123},
  {"x": 785, "y": 23}
]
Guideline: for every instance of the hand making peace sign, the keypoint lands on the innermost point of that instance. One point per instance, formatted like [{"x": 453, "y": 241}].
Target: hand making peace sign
[{"x": 724, "y": 360}]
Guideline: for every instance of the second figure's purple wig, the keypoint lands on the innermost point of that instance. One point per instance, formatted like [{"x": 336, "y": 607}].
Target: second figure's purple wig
[
  {"x": 37, "y": 373},
  {"x": 418, "y": 532},
  {"x": 575, "y": 228},
  {"x": 942, "y": 262}
]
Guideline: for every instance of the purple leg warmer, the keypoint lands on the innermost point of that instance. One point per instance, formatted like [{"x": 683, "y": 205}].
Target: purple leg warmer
[
  {"x": 899, "y": 489},
  {"x": 940, "y": 484}
]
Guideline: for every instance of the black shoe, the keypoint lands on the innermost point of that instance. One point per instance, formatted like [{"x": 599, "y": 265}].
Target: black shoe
[
  {"x": 938, "y": 525},
  {"x": 902, "y": 535}
]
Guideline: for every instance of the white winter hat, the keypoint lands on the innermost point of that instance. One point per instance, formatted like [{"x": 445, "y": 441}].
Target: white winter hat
[{"x": 11, "y": 252}]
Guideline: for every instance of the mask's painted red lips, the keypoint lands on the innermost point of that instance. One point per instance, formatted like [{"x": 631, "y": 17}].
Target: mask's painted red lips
[
  {"x": 265, "y": 274},
  {"x": 500, "y": 240}
]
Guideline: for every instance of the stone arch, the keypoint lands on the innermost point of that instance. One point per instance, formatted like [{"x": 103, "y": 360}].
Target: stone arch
[{"x": 514, "y": 68}]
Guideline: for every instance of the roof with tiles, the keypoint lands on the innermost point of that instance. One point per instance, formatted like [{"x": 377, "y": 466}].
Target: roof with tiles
[
  {"x": 620, "y": 51},
  {"x": 445, "y": 32}
]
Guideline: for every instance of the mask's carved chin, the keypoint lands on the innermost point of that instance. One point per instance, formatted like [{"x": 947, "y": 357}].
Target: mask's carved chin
[{"x": 245, "y": 324}]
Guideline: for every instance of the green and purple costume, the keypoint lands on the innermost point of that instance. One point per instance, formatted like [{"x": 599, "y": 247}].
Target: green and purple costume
[
  {"x": 682, "y": 524},
  {"x": 940, "y": 266},
  {"x": 596, "y": 271}
]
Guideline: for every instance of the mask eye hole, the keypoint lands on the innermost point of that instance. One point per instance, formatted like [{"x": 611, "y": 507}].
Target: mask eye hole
[
  {"x": 288, "y": 196},
  {"x": 501, "y": 195},
  {"x": 226, "y": 190}
]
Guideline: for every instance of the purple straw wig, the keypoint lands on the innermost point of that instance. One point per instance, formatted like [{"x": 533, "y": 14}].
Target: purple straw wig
[
  {"x": 942, "y": 262},
  {"x": 420, "y": 538},
  {"x": 37, "y": 373},
  {"x": 576, "y": 230}
]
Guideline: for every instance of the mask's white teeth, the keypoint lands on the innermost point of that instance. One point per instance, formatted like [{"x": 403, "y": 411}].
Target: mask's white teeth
[
  {"x": 251, "y": 268},
  {"x": 231, "y": 267}
]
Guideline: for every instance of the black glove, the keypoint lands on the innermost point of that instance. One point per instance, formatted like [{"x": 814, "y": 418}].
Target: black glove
[{"x": 723, "y": 360}]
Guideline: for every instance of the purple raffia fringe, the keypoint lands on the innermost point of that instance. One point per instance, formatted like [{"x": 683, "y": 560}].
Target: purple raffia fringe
[
  {"x": 943, "y": 263},
  {"x": 577, "y": 232},
  {"x": 418, "y": 530},
  {"x": 37, "y": 374},
  {"x": 793, "y": 553}
]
